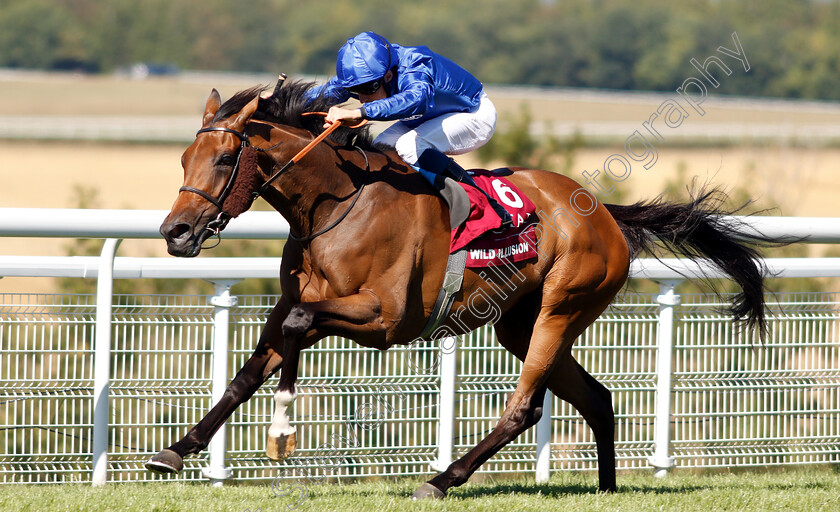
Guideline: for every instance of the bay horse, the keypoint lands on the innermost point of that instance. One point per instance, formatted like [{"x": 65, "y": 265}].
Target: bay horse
[{"x": 366, "y": 257}]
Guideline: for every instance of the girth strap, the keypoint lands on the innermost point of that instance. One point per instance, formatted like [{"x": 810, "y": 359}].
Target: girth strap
[{"x": 452, "y": 281}]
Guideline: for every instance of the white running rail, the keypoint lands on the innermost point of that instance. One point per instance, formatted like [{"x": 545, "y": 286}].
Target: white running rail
[{"x": 115, "y": 225}]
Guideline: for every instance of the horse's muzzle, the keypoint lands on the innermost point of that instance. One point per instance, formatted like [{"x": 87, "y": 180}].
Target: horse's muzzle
[{"x": 181, "y": 239}]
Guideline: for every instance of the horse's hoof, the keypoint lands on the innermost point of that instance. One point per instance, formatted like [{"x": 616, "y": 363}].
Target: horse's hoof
[
  {"x": 165, "y": 462},
  {"x": 428, "y": 491},
  {"x": 280, "y": 447}
]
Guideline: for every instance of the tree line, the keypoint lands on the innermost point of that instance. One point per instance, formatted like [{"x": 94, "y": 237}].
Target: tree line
[{"x": 792, "y": 45}]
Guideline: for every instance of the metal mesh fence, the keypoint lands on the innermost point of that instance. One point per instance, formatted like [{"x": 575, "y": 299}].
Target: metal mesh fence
[
  {"x": 741, "y": 403},
  {"x": 735, "y": 402}
]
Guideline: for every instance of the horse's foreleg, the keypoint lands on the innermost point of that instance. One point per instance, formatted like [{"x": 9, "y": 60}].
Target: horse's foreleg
[
  {"x": 306, "y": 323},
  {"x": 282, "y": 436},
  {"x": 262, "y": 364}
]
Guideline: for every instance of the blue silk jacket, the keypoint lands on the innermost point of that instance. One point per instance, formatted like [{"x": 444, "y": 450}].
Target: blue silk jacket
[{"x": 427, "y": 85}]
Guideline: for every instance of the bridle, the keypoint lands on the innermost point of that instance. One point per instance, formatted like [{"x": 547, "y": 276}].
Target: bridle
[{"x": 216, "y": 225}]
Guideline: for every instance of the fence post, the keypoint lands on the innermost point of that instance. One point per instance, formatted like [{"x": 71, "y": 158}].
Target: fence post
[
  {"x": 543, "y": 471},
  {"x": 222, "y": 302},
  {"x": 446, "y": 404},
  {"x": 668, "y": 300},
  {"x": 102, "y": 360}
]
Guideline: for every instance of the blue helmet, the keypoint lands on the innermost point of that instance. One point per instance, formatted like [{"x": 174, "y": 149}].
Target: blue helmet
[{"x": 364, "y": 58}]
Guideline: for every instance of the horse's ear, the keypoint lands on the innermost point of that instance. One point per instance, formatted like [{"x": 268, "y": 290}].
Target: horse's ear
[
  {"x": 245, "y": 114},
  {"x": 281, "y": 79},
  {"x": 213, "y": 104}
]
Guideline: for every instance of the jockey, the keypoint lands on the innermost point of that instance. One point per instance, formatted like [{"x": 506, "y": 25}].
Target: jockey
[{"x": 441, "y": 109}]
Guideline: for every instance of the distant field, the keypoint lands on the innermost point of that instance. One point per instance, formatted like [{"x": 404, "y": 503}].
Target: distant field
[
  {"x": 37, "y": 94},
  {"x": 70, "y": 94},
  {"x": 799, "y": 180}
]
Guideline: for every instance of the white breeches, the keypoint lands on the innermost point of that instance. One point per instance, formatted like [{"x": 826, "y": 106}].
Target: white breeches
[{"x": 452, "y": 134}]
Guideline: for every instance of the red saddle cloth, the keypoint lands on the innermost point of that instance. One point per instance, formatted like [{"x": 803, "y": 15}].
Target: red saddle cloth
[{"x": 484, "y": 247}]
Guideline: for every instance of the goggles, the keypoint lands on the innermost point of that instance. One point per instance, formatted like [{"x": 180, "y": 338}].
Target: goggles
[{"x": 366, "y": 88}]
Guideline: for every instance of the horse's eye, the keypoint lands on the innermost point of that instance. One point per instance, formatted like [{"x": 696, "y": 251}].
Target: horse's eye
[{"x": 226, "y": 160}]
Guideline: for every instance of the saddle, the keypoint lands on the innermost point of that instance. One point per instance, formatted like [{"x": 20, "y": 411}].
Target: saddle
[
  {"x": 477, "y": 241},
  {"x": 455, "y": 197},
  {"x": 480, "y": 231}
]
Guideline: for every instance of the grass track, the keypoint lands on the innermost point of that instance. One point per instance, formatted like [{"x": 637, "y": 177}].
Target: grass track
[{"x": 806, "y": 490}]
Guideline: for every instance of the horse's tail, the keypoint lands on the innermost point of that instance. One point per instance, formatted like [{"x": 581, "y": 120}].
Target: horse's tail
[{"x": 696, "y": 231}]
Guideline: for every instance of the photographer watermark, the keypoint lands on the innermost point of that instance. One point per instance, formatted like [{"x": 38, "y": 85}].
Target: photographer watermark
[
  {"x": 640, "y": 146},
  {"x": 502, "y": 282}
]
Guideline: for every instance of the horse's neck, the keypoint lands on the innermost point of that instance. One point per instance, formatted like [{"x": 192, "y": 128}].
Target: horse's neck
[{"x": 308, "y": 194}]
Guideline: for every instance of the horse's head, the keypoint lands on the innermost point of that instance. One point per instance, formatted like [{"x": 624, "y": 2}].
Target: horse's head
[
  {"x": 222, "y": 171},
  {"x": 214, "y": 165}
]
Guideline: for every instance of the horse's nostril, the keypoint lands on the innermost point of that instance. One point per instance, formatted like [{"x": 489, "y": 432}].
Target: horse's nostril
[{"x": 177, "y": 231}]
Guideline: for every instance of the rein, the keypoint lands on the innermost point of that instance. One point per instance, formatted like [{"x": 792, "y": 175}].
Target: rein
[
  {"x": 338, "y": 220},
  {"x": 302, "y": 153},
  {"x": 216, "y": 225}
]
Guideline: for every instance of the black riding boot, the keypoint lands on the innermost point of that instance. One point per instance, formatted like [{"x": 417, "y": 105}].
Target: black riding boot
[{"x": 434, "y": 161}]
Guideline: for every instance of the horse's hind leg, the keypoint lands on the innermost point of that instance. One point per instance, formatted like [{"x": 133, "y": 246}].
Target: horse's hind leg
[
  {"x": 262, "y": 364},
  {"x": 547, "y": 343},
  {"x": 552, "y": 334},
  {"x": 570, "y": 382}
]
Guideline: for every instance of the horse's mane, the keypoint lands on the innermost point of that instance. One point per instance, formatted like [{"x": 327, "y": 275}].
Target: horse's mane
[{"x": 286, "y": 107}]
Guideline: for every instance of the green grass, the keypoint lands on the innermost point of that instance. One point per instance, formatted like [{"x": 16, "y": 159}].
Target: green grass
[{"x": 806, "y": 490}]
